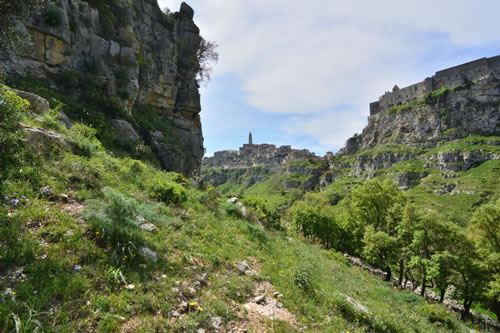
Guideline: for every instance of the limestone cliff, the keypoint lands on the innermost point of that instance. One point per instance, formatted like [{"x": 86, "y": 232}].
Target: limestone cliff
[
  {"x": 455, "y": 103},
  {"x": 140, "y": 60},
  {"x": 416, "y": 127}
]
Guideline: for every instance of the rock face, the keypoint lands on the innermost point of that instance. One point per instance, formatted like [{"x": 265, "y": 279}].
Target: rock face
[
  {"x": 136, "y": 55},
  {"x": 469, "y": 105},
  {"x": 408, "y": 123}
]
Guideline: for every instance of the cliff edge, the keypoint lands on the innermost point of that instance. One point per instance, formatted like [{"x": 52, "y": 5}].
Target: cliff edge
[{"x": 133, "y": 66}]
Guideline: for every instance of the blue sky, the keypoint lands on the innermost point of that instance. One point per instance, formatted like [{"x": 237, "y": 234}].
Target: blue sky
[{"x": 303, "y": 73}]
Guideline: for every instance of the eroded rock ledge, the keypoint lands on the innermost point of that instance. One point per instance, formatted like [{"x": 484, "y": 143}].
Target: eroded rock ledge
[{"x": 132, "y": 53}]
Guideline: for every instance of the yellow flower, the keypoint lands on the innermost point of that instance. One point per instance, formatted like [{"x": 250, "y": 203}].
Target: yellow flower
[
  {"x": 171, "y": 267},
  {"x": 13, "y": 293},
  {"x": 193, "y": 303},
  {"x": 97, "y": 232},
  {"x": 201, "y": 309}
]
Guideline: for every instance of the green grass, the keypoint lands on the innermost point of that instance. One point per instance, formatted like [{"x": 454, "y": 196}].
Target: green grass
[
  {"x": 73, "y": 284},
  {"x": 308, "y": 163},
  {"x": 487, "y": 144}
]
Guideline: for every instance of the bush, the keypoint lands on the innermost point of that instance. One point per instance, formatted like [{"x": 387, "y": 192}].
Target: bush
[
  {"x": 257, "y": 234},
  {"x": 67, "y": 80},
  {"x": 267, "y": 215},
  {"x": 230, "y": 208},
  {"x": 52, "y": 18},
  {"x": 12, "y": 108},
  {"x": 85, "y": 139},
  {"x": 302, "y": 278},
  {"x": 167, "y": 191},
  {"x": 115, "y": 222},
  {"x": 50, "y": 121}
]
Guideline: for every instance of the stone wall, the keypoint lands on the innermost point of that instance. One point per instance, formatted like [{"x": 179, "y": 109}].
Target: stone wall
[
  {"x": 140, "y": 54},
  {"x": 471, "y": 71}
]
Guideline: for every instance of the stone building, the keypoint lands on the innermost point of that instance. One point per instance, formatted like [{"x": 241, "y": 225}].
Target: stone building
[
  {"x": 253, "y": 155},
  {"x": 471, "y": 71}
]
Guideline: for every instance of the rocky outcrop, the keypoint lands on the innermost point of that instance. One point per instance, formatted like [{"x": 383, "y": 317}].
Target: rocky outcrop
[
  {"x": 240, "y": 176},
  {"x": 132, "y": 53},
  {"x": 422, "y": 128},
  {"x": 459, "y": 160},
  {"x": 305, "y": 177},
  {"x": 448, "y": 114}
]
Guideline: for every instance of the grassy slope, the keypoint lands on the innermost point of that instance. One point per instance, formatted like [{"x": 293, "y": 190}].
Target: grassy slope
[{"x": 199, "y": 238}]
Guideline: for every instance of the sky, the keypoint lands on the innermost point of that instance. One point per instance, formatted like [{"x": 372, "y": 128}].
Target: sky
[{"x": 303, "y": 73}]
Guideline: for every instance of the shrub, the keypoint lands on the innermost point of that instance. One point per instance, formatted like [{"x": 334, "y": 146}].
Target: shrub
[
  {"x": 115, "y": 222},
  {"x": 67, "y": 79},
  {"x": 167, "y": 191},
  {"x": 52, "y": 18},
  {"x": 230, "y": 208},
  {"x": 209, "y": 198},
  {"x": 12, "y": 108},
  {"x": 266, "y": 214},
  {"x": 85, "y": 139},
  {"x": 50, "y": 121},
  {"x": 257, "y": 234},
  {"x": 302, "y": 278}
]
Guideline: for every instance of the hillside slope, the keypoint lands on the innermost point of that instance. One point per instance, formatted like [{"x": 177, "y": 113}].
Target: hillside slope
[{"x": 111, "y": 244}]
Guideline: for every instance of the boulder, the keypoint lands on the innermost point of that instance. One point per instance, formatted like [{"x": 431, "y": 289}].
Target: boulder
[
  {"x": 125, "y": 132},
  {"x": 38, "y": 105},
  {"x": 148, "y": 254}
]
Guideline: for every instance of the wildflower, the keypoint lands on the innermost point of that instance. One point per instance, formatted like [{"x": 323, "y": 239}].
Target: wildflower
[
  {"x": 171, "y": 267},
  {"x": 97, "y": 232},
  {"x": 77, "y": 267},
  {"x": 201, "y": 309},
  {"x": 2, "y": 300},
  {"x": 13, "y": 293},
  {"x": 193, "y": 303}
]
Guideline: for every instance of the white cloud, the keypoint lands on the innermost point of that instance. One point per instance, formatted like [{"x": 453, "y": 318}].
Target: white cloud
[
  {"x": 307, "y": 58},
  {"x": 331, "y": 129}
]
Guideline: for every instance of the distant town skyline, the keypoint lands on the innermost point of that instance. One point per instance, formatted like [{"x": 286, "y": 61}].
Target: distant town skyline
[{"x": 304, "y": 74}]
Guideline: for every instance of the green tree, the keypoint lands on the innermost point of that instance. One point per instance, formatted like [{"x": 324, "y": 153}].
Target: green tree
[
  {"x": 380, "y": 248},
  {"x": 484, "y": 230},
  {"x": 206, "y": 57},
  {"x": 469, "y": 277},
  {"x": 429, "y": 236},
  {"x": 376, "y": 207},
  {"x": 440, "y": 272}
]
